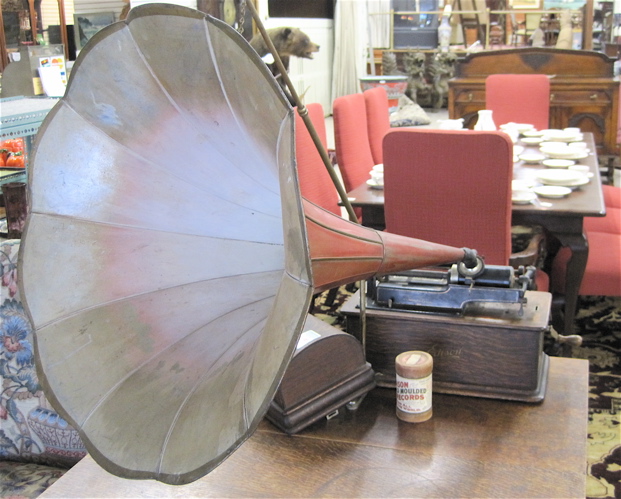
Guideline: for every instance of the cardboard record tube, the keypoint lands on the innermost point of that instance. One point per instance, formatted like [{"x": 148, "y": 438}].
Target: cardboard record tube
[{"x": 414, "y": 386}]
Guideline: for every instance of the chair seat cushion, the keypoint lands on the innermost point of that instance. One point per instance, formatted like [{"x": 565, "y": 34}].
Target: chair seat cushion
[{"x": 602, "y": 275}]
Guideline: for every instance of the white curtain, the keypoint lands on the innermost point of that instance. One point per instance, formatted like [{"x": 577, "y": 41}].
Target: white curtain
[
  {"x": 379, "y": 23},
  {"x": 353, "y": 32}
]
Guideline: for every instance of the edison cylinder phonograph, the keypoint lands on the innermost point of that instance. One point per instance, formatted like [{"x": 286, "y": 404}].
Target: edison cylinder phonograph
[{"x": 191, "y": 257}]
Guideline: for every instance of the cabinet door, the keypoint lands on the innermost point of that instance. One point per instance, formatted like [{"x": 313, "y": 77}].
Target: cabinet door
[{"x": 589, "y": 110}]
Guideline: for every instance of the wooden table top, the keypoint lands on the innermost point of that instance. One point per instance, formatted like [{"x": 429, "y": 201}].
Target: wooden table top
[
  {"x": 585, "y": 201},
  {"x": 470, "y": 448}
]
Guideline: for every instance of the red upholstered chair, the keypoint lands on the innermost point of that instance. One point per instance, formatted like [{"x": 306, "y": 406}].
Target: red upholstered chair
[
  {"x": 612, "y": 196},
  {"x": 353, "y": 152},
  {"x": 315, "y": 182},
  {"x": 602, "y": 275},
  {"x": 378, "y": 120},
  {"x": 611, "y": 222},
  {"x": 519, "y": 98},
  {"x": 455, "y": 190}
]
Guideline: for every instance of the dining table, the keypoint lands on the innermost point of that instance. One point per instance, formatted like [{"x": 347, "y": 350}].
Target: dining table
[{"x": 562, "y": 217}]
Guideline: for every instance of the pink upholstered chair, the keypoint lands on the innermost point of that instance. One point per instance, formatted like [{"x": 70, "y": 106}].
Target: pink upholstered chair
[
  {"x": 315, "y": 182},
  {"x": 378, "y": 120},
  {"x": 519, "y": 98},
  {"x": 353, "y": 152},
  {"x": 455, "y": 190}
]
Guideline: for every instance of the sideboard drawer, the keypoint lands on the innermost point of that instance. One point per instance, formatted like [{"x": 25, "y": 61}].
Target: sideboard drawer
[
  {"x": 468, "y": 96},
  {"x": 594, "y": 96}
]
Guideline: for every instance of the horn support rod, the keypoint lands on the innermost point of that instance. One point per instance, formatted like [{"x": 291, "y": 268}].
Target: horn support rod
[{"x": 303, "y": 112}]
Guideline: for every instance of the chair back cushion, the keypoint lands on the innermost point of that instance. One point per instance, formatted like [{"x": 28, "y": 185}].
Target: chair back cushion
[
  {"x": 315, "y": 182},
  {"x": 450, "y": 187},
  {"x": 378, "y": 120},
  {"x": 353, "y": 153},
  {"x": 519, "y": 98}
]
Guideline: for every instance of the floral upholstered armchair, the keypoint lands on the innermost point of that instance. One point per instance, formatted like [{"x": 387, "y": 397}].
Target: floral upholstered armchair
[{"x": 36, "y": 444}]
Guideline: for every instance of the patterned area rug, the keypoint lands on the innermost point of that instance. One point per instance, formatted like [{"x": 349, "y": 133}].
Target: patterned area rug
[{"x": 599, "y": 323}]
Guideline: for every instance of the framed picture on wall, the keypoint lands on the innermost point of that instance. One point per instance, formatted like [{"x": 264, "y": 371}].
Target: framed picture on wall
[
  {"x": 526, "y": 4},
  {"x": 86, "y": 25}
]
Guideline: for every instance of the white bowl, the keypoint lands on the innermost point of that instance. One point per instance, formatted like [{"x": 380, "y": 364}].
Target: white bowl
[
  {"x": 558, "y": 163},
  {"x": 533, "y": 133},
  {"x": 522, "y": 197},
  {"x": 552, "y": 191},
  {"x": 581, "y": 168},
  {"x": 531, "y": 140},
  {"x": 532, "y": 157},
  {"x": 521, "y": 185},
  {"x": 375, "y": 185}
]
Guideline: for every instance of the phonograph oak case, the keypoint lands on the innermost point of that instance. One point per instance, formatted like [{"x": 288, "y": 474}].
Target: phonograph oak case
[{"x": 497, "y": 353}]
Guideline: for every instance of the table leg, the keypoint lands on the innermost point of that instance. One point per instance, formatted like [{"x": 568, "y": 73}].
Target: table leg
[{"x": 574, "y": 271}]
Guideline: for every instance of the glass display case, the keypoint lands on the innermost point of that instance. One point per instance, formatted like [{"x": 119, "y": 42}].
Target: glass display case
[{"x": 20, "y": 120}]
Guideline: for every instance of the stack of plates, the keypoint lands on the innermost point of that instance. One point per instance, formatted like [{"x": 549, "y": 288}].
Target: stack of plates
[
  {"x": 565, "y": 178},
  {"x": 565, "y": 135},
  {"x": 559, "y": 150}
]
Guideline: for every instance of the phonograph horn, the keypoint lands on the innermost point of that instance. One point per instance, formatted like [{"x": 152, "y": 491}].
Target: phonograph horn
[{"x": 168, "y": 260}]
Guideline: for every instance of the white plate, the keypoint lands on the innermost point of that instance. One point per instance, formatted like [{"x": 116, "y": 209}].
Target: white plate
[
  {"x": 523, "y": 197},
  {"x": 552, "y": 191},
  {"x": 558, "y": 163},
  {"x": 517, "y": 150},
  {"x": 531, "y": 140},
  {"x": 520, "y": 127},
  {"x": 533, "y": 133},
  {"x": 532, "y": 157},
  {"x": 374, "y": 185},
  {"x": 560, "y": 177}
]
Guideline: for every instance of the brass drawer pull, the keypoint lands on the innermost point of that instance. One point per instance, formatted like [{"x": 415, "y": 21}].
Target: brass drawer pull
[
  {"x": 470, "y": 96},
  {"x": 593, "y": 96},
  {"x": 551, "y": 97}
]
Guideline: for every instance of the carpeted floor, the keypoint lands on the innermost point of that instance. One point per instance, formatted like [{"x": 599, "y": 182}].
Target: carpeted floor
[{"x": 599, "y": 323}]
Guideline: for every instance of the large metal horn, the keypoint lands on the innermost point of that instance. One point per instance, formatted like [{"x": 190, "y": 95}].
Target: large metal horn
[{"x": 168, "y": 261}]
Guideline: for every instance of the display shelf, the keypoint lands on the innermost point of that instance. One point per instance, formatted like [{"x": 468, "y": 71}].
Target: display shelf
[{"x": 22, "y": 116}]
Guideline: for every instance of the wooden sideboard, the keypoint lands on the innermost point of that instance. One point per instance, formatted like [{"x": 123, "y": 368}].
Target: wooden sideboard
[{"x": 584, "y": 92}]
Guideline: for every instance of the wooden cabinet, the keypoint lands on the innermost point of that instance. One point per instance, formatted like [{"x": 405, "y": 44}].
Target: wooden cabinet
[{"x": 584, "y": 92}]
